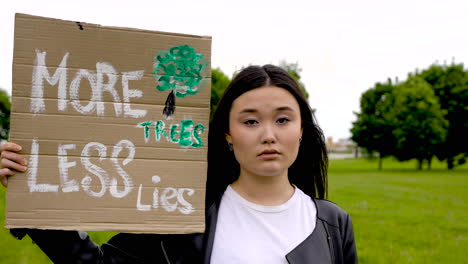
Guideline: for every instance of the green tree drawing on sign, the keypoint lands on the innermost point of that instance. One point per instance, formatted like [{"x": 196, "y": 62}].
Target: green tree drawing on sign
[{"x": 178, "y": 70}]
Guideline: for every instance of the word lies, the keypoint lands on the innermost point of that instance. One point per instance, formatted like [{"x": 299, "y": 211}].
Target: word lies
[{"x": 170, "y": 199}]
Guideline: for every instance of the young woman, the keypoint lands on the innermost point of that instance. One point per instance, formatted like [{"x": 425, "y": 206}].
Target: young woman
[{"x": 267, "y": 178}]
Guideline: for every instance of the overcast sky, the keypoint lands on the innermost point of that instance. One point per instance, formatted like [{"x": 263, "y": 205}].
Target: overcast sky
[{"x": 343, "y": 46}]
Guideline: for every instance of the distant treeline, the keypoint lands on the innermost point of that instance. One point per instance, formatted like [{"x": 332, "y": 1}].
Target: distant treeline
[{"x": 423, "y": 117}]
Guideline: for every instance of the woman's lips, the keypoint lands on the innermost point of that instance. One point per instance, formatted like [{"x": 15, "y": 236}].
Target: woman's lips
[{"x": 269, "y": 154}]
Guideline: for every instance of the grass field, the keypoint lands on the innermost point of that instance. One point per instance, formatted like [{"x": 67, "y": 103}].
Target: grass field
[{"x": 400, "y": 215}]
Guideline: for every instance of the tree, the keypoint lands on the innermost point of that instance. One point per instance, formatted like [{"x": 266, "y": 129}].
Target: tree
[
  {"x": 295, "y": 70},
  {"x": 372, "y": 131},
  {"x": 178, "y": 70},
  {"x": 5, "y": 107},
  {"x": 219, "y": 83},
  {"x": 417, "y": 120},
  {"x": 402, "y": 120},
  {"x": 450, "y": 85}
]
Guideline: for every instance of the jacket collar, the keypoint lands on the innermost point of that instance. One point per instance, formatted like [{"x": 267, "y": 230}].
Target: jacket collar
[
  {"x": 210, "y": 223},
  {"x": 314, "y": 249}
]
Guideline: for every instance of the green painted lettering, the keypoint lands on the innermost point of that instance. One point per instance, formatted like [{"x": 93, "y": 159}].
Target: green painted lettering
[
  {"x": 187, "y": 135},
  {"x": 159, "y": 129},
  {"x": 197, "y": 130},
  {"x": 174, "y": 133},
  {"x": 145, "y": 126},
  {"x": 184, "y": 138}
]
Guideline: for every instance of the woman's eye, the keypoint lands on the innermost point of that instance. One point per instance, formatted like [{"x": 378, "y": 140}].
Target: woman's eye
[
  {"x": 250, "y": 122},
  {"x": 283, "y": 120}
]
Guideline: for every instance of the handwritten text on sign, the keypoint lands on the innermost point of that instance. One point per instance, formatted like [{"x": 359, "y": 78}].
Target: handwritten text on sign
[{"x": 104, "y": 80}]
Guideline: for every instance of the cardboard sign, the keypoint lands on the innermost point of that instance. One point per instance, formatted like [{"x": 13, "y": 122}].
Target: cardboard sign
[{"x": 114, "y": 122}]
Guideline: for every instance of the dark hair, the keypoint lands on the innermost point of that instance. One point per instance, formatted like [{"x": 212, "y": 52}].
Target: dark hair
[{"x": 309, "y": 170}]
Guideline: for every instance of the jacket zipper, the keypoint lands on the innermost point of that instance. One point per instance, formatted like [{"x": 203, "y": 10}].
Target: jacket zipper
[{"x": 165, "y": 254}]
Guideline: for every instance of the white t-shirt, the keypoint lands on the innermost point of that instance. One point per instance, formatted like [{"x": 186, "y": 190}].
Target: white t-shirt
[{"x": 251, "y": 233}]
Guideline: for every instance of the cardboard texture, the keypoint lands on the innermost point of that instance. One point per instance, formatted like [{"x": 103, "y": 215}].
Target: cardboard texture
[{"x": 114, "y": 122}]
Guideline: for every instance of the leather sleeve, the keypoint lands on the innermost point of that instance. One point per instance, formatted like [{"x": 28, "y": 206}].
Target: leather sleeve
[
  {"x": 77, "y": 247},
  {"x": 66, "y": 246},
  {"x": 155, "y": 248},
  {"x": 349, "y": 245}
]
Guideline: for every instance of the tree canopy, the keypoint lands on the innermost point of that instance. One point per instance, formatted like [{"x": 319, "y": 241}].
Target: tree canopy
[
  {"x": 295, "y": 70},
  {"x": 422, "y": 117},
  {"x": 5, "y": 108},
  {"x": 219, "y": 83},
  {"x": 450, "y": 84},
  {"x": 372, "y": 131},
  {"x": 417, "y": 120}
]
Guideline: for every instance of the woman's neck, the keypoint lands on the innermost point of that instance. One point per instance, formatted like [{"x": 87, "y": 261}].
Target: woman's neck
[{"x": 264, "y": 190}]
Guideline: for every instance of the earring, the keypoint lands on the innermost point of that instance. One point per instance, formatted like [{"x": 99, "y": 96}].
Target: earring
[
  {"x": 300, "y": 140},
  {"x": 230, "y": 146}
]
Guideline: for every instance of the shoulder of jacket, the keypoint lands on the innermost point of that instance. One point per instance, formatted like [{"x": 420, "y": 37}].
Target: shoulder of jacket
[{"x": 331, "y": 213}]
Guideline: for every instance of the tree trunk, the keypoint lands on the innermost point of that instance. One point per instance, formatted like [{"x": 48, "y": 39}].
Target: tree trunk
[
  {"x": 420, "y": 163},
  {"x": 450, "y": 164},
  {"x": 169, "y": 109},
  {"x": 429, "y": 161},
  {"x": 380, "y": 161}
]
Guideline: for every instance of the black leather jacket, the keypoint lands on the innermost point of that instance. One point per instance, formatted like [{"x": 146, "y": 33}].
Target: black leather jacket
[{"x": 332, "y": 241}]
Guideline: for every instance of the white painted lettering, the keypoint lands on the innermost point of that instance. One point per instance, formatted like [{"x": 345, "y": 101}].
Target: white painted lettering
[
  {"x": 105, "y": 68},
  {"x": 100, "y": 173},
  {"x": 32, "y": 172},
  {"x": 98, "y": 84},
  {"x": 187, "y": 207},
  {"x": 127, "y": 180},
  {"x": 155, "y": 179},
  {"x": 40, "y": 72},
  {"x": 140, "y": 206},
  {"x": 169, "y": 193},
  {"x": 74, "y": 92},
  {"x": 64, "y": 165},
  {"x": 131, "y": 93}
]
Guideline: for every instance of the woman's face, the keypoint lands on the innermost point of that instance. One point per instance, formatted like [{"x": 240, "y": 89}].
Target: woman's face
[{"x": 265, "y": 129}]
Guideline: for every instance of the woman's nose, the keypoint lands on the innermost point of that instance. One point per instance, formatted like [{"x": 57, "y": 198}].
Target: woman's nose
[{"x": 268, "y": 135}]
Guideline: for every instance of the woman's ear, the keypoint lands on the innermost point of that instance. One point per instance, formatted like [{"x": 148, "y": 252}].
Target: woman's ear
[
  {"x": 228, "y": 138},
  {"x": 229, "y": 141}
]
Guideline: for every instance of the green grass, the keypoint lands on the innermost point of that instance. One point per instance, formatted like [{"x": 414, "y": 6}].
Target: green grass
[{"x": 400, "y": 215}]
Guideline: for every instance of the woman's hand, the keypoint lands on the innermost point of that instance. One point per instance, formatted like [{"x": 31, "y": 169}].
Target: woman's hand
[{"x": 10, "y": 161}]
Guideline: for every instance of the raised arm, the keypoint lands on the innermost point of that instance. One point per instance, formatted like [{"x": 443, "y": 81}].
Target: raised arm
[{"x": 59, "y": 246}]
